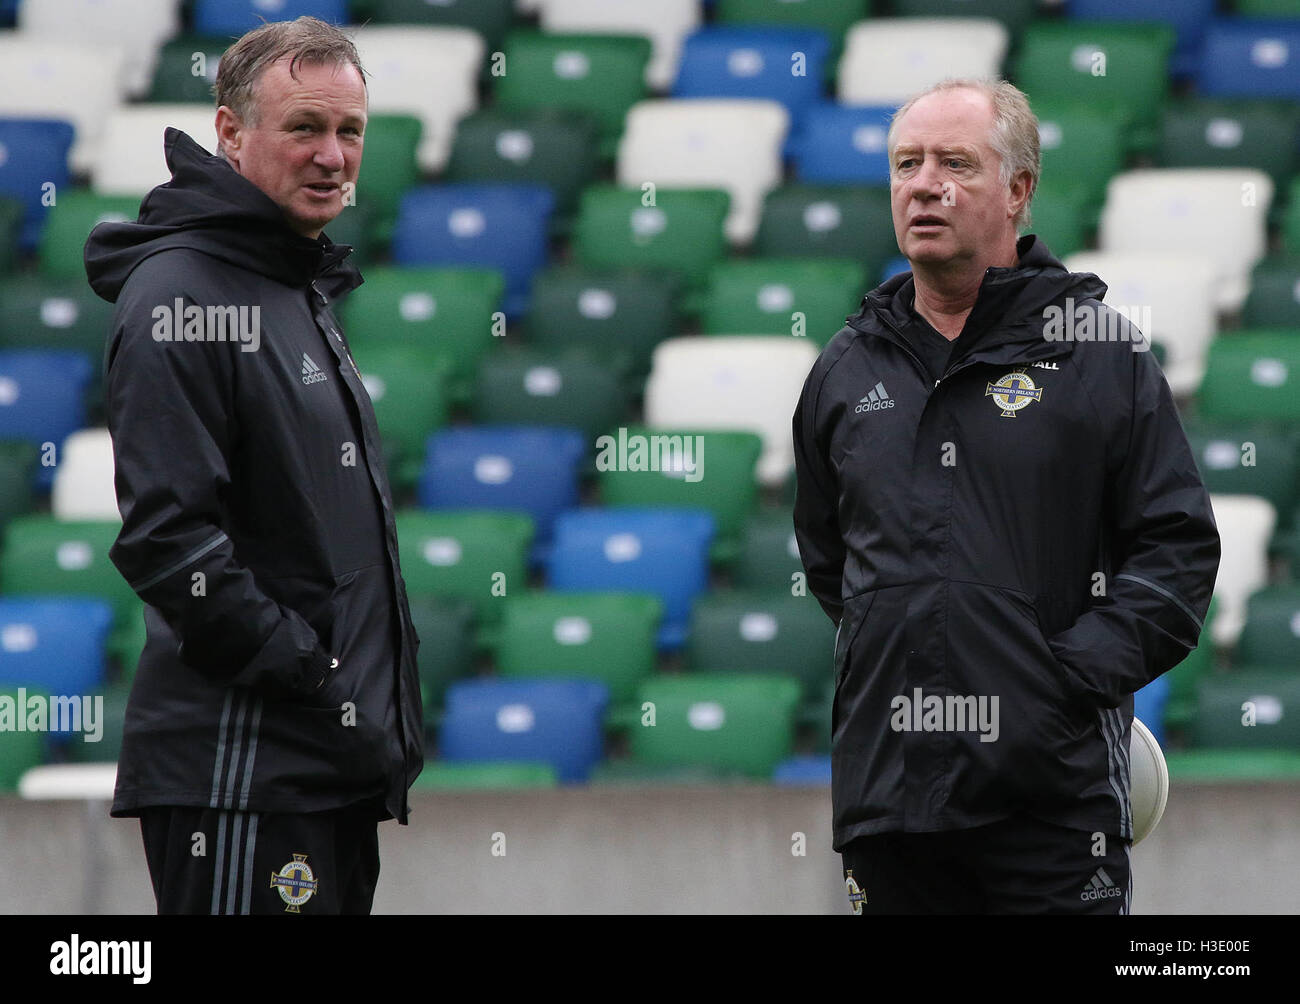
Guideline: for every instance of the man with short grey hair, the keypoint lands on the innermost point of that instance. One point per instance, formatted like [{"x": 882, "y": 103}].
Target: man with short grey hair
[
  {"x": 275, "y": 715},
  {"x": 1010, "y": 531}
]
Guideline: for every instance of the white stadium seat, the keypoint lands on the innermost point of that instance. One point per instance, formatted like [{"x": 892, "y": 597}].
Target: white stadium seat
[
  {"x": 83, "y": 478},
  {"x": 706, "y": 143},
  {"x": 131, "y": 160},
  {"x": 749, "y": 382},
  {"x": 75, "y": 81},
  {"x": 887, "y": 60},
  {"x": 139, "y": 28},
  {"x": 1176, "y": 291},
  {"x": 665, "y": 22},
  {"x": 1218, "y": 212},
  {"x": 1245, "y": 525},
  {"x": 431, "y": 73}
]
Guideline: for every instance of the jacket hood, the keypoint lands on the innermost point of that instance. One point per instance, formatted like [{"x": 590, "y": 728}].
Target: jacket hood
[
  {"x": 209, "y": 207},
  {"x": 1011, "y": 300}
]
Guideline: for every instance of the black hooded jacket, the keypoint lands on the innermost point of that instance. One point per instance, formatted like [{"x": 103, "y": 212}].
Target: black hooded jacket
[
  {"x": 257, "y": 519},
  {"x": 1010, "y": 551}
]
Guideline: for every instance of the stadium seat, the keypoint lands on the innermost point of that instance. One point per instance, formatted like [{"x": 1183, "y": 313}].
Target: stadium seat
[
  {"x": 768, "y": 558},
  {"x": 1271, "y": 635},
  {"x": 478, "y": 556},
  {"x": 490, "y": 18},
  {"x": 138, "y": 28},
  {"x": 1122, "y": 69},
  {"x": 180, "y": 77},
  {"x": 19, "y": 751},
  {"x": 834, "y": 17},
  {"x": 665, "y": 23},
  {"x": 42, "y": 397},
  {"x": 503, "y": 227},
  {"x": 1249, "y": 378},
  {"x": 1245, "y": 525},
  {"x": 577, "y": 389},
  {"x": 1171, "y": 299},
  {"x": 782, "y": 64},
  {"x": 776, "y": 296},
  {"x": 1060, "y": 218},
  {"x": 78, "y": 82},
  {"x": 1250, "y": 708},
  {"x": 389, "y": 166},
  {"x": 1209, "y": 132},
  {"x": 681, "y": 232},
  {"x": 558, "y": 722},
  {"x": 42, "y": 313},
  {"x": 506, "y": 776},
  {"x": 842, "y": 144},
  {"x": 660, "y": 551},
  {"x": 828, "y": 221},
  {"x": 70, "y": 220},
  {"x": 17, "y": 479},
  {"x": 556, "y": 149},
  {"x": 1274, "y": 299},
  {"x": 11, "y": 225},
  {"x": 603, "y": 311},
  {"x": 779, "y": 634},
  {"x": 235, "y": 17},
  {"x": 529, "y": 469},
  {"x": 1149, "y": 705},
  {"x": 431, "y": 73},
  {"x": 1237, "y": 458},
  {"x": 1246, "y": 58},
  {"x": 108, "y": 748},
  {"x": 608, "y": 637},
  {"x": 1291, "y": 219},
  {"x": 131, "y": 159},
  {"x": 888, "y": 60},
  {"x": 83, "y": 478},
  {"x": 748, "y": 383},
  {"x": 810, "y": 770},
  {"x": 34, "y": 167},
  {"x": 1014, "y": 14},
  {"x": 740, "y": 724},
  {"x": 687, "y": 468},
  {"x": 445, "y": 314},
  {"x": 448, "y": 632},
  {"x": 1188, "y": 18},
  {"x": 1267, "y": 8},
  {"x": 734, "y": 144},
  {"x": 411, "y": 397},
  {"x": 1081, "y": 148},
  {"x": 602, "y": 75},
  {"x": 53, "y": 644},
  {"x": 1184, "y": 678},
  {"x": 1221, "y": 213}
]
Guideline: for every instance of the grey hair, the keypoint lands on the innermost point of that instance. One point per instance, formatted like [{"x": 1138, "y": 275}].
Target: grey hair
[{"x": 1014, "y": 136}]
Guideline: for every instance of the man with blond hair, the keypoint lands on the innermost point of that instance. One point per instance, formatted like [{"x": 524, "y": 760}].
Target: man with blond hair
[
  {"x": 275, "y": 715},
  {"x": 1010, "y": 531}
]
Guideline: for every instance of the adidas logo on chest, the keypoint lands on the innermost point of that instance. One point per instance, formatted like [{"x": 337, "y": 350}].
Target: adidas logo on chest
[
  {"x": 876, "y": 400},
  {"x": 311, "y": 373}
]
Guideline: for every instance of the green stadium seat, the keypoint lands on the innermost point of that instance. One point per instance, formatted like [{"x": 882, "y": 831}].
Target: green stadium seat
[
  {"x": 486, "y": 777},
  {"x": 1225, "y": 702},
  {"x": 608, "y": 637},
  {"x": 388, "y": 168},
  {"x": 682, "y": 233},
  {"x": 1267, "y": 8},
  {"x": 1291, "y": 218},
  {"x": 828, "y": 221},
  {"x": 557, "y": 149},
  {"x": 43, "y": 313},
  {"x": 129, "y": 643},
  {"x": 448, "y": 636},
  {"x": 19, "y": 751},
  {"x": 174, "y": 77},
  {"x": 1081, "y": 148},
  {"x": 721, "y": 479},
  {"x": 109, "y": 747},
  {"x": 1244, "y": 459},
  {"x": 735, "y": 632},
  {"x": 768, "y": 557},
  {"x": 411, "y": 398},
  {"x": 1248, "y": 377},
  {"x": 603, "y": 75},
  {"x": 782, "y": 296},
  {"x": 1015, "y": 14},
  {"x": 1066, "y": 59},
  {"x": 445, "y": 313},
  {"x": 1205, "y": 132},
  {"x": 1232, "y": 766},
  {"x": 11, "y": 226},
  {"x": 1061, "y": 217},
  {"x": 737, "y": 724},
  {"x": 490, "y": 18},
  {"x": 1274, "y": 300},
  {"x": 576, "y": 389},
  {"x": 819, "y": 719},
  {"x": 68, "y": 224},
  {"x": 17, "y": 471},
  {"x": 358, "y": 227},
  {"x": 1184, "y": 678},
  {"x": 604, "y": 310},
  {"x": 477, "y": 556},
  {"x": 1271, "y": 635}
]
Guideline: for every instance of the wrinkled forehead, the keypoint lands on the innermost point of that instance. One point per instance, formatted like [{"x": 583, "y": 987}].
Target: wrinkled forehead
[{"x": 961, "y": 117}]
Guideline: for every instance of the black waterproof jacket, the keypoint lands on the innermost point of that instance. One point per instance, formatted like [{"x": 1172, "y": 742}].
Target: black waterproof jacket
[
  {"x": 257, "y": 519},
  {"x": 1029, "y": 531}
]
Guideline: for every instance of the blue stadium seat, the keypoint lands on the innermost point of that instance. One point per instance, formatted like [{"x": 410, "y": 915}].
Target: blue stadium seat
[
  {"x": 806, "y": 771},
  {"x": 532, "y": 469},
  {"x": 893, "y": 267},
  {"x": 1250, "y": 58},
  {"x": 222, "y": 18},
  {"x": 1149, "y": 705},
  {"x": 42, "y": 398},
  {"x": 557, "y": 722},
  {"x": 755, "y": 63},
  {"x": 504, "y": 227},
  {"x": 1188, "y": 18},
  {"x": 53, "y": 644},
  {"x": 33, "y": 154},
  {"x": 842, "y": 144},
  {"x": 662, "y": 551}
]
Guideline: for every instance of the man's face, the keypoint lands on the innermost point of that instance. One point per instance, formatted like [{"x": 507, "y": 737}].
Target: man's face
[
  {"x": 306, "y": 143},
  {"x": 948, "y": 203}
]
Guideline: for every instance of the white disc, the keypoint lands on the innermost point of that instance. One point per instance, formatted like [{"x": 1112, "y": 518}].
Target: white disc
[{"x": 1150, "y": 780}]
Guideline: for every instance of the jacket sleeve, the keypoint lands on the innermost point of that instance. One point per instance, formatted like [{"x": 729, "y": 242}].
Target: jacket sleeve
[
  {"x": 816, "y": 504},
  {"x": 1164, "y": 549},
  {"x": 169, "y": 415}
]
